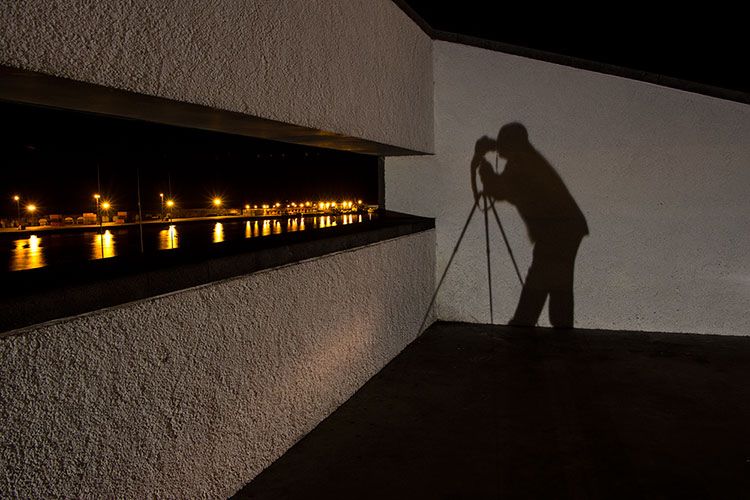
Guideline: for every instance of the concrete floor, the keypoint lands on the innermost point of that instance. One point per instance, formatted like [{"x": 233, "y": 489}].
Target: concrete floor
[{"x": 476, "y": 411}]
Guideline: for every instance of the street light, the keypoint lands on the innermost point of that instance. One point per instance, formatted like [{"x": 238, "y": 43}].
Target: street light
[
  {"x": 96, "y": 197},
  {"x": 105, "y": 207},
  {"x": 161, "y": 195},
  {"x": 17, "y": 199},
  {"x": 217, "y": 204},
  {"x": 31, "y": 208},
  {"x": 170, "y": 205}
]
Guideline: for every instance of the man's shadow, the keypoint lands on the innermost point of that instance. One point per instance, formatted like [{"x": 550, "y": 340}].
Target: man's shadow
[{"x": 554, "y": 222}]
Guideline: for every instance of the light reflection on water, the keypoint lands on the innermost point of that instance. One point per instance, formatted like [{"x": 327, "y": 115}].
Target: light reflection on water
[
  {"x": 168, "y": 238},
  {"x": 218, "y": 232},
  {"x": 58, "y": 248},
  {"x": 103, "y": 245},
  {"x": 326, "y": 221},
  {"x": 27, "y": 254}
]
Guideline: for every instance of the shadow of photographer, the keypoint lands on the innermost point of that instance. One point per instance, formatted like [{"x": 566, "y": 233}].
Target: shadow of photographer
[{"x": 554, "y": 222}]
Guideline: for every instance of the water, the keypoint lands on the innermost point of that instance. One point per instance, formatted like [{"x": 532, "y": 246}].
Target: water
[{"x": 43, "y": 248}]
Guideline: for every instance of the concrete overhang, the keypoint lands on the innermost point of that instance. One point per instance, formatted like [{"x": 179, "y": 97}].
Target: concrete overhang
[{"x": 18, "y": 85}]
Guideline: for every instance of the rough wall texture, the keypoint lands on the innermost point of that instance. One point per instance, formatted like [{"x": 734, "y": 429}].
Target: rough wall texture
[
  {"x": 661, "y": 176},
  {"x": 356, "y": 67},
  {"x": 192, "y": 394}
]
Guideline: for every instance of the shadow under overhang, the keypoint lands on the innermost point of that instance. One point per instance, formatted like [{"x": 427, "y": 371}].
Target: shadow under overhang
[{"x": 19, "y": 85}]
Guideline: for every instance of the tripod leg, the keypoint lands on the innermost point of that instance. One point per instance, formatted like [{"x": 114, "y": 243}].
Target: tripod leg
[
  {"x": 448, "y": 266},
  {"x": 489, "y": 268},
  {"x": 507, "y": 245}
]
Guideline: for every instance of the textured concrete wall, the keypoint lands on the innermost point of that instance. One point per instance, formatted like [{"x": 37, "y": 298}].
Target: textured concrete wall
[
  {"x": 356, "y": 67},
  {"x": 192, "y": 394},
  {"x": 661, "y": 175}
]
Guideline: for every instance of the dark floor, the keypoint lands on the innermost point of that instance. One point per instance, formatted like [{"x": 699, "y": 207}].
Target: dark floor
[{"x": 474, "y": 411}]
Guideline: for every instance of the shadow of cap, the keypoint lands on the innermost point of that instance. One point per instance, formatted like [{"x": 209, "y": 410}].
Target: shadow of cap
[{"x": 512, "y": 138}]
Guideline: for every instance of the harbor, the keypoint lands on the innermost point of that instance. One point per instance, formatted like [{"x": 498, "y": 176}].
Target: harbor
[{"x": 45, "y": 246}]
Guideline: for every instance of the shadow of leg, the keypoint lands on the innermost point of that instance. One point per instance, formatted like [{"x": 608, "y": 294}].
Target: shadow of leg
[
  {"x": 561, "y": 308},
  {"x": 561, "y": 299},
  {"x": 532, "y": 299}
]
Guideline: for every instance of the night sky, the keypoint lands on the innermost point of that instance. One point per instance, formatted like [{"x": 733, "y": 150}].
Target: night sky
[
  {"x": 51, "y": 157},
  {"x": 699, "y": 42}
]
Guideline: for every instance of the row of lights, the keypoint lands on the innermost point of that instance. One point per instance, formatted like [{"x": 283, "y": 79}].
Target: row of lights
[
  {"x": 321, "y": 205},
  {"x": 217, "y": 202},
  {"x": 105, "y": 205}
]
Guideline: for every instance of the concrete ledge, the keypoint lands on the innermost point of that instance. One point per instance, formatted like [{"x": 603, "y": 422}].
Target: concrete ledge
[
  {"x": 191, "y": 394},
  {"x": 45, "y": 294},
  {"x": 29, "y": 87}
]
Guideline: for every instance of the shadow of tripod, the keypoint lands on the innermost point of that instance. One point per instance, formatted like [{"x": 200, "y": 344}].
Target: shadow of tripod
[{"x": 488, "y": 204}]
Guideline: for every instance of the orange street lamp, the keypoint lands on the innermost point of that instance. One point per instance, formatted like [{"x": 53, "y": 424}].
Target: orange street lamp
[
  {"x": 217, "y": 204},
  {"x": 105, "y": 207},
  {"x": 170, "y": 206},
  {"x": 31, "y": 208},
  {"x": 17, "y": 199},
  {"x": 96, "y": 197}
]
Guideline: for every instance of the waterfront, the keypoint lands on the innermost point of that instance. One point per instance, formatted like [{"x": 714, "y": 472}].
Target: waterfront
[{"x": 37, "y": 249}]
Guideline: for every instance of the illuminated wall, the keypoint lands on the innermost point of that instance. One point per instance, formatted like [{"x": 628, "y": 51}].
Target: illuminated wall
[{"x": 661, "y": 176}]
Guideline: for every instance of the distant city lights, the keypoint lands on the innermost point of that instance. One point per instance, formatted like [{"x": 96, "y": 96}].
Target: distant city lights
[{"x": 105, "y": 211}]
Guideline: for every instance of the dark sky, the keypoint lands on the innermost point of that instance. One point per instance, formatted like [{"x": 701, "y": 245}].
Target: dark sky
[
  {"x": 699, "y": 42},
  {"x": 50, "y": 158}
]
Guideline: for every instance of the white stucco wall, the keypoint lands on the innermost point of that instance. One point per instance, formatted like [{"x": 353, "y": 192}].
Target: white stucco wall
[
  {"x": 191, "y": 394},
  {"x": 356, "y": 67},
  {"x": 661, "y": 175}
]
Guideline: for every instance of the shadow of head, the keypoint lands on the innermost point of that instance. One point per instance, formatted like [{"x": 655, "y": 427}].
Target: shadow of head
[{"x": 512, "y": 139}]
